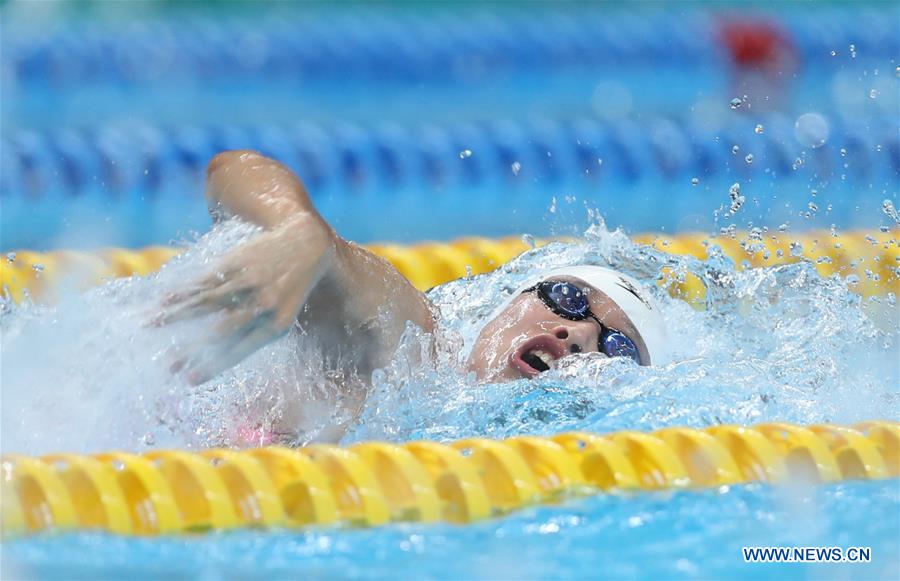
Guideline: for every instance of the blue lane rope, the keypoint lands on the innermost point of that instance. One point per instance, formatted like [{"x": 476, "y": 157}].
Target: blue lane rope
[
  {"x": 345, "y": 158},
  {"x": 413, "y": 46}
]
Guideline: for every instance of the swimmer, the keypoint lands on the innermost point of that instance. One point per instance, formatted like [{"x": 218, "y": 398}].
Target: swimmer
[{"x": 297, "y": 270}]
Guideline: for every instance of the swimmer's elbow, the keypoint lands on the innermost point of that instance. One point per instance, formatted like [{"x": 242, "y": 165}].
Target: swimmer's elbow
[{"x": 257, "y": 188}]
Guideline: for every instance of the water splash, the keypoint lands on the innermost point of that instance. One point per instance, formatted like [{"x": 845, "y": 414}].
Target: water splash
[{"x": 779, "y": 343}]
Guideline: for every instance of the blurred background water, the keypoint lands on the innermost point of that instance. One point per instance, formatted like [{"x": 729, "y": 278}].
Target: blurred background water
[{"x": 445, "y": 120}]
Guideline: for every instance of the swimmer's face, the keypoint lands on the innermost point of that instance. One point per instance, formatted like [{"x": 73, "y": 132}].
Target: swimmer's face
[{"x": 508, "y": 346}]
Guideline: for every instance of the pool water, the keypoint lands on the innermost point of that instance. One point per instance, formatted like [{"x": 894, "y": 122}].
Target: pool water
[
  {"x": 682, "y": 535},
  {"x": 490, "y": 121},
  {"x": 771, "y": 345}
]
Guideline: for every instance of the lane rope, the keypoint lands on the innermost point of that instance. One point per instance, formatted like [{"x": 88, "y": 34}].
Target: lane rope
[
  {"x": 373, "y": 483},
  {"x": 868, "y": 260}
]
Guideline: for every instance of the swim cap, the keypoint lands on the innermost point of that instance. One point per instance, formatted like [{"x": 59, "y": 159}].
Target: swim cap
[{"x": 625, "y": 291}]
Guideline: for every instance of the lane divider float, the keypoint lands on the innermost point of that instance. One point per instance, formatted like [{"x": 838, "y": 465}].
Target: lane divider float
[
  {"x": 374, "y": 483},
  {"x": 869, "y": 260}
]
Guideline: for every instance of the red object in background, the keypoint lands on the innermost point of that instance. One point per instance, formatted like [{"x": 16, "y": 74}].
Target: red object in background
[{"x": 757, "y": 44}]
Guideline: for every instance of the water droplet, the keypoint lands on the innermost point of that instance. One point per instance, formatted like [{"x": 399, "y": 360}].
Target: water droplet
[
  {"x": 749, "y": 158},
  {"x": 814, "y": 193},
  {"x": 796, "y": 249},
  {"x": 878, "y": 147},
  {"x": 897, "y": 72},
  {"x": 758, "y": 129},
  {"x": 516, "y": 167},
  {"x": 811, "y": 130},
  {"x": 853, "y": 51},
  {"x": 812, "y": 206},
  {"x": 149, "y": 439},
  {"x": 735, "y": 149},
  {"x": 10, "y": 257},
  {"x": 736, "y": 102},
  {"x": 888, "y": 208},
  {"x": 843, "y": 152},
  {"x": 834, "y": 53},
  {"x": 783, "y": 228},
  {"x": 553, "y": 205},
  {"x": 465, "y": 153},
  {"x": 873, "y": 94},
  {"x": 599, "y": 161},
  {"x": 737, "y": 200},
  {"x": 695, "y": 181},
  {"x": 37, "y": 267},
  {"x": 529, "y": 240}
]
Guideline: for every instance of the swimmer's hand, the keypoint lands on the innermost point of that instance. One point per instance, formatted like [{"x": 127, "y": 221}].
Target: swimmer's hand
[
  {"x": 259, "y": 289},
  {"x": 262, "y": 286}
]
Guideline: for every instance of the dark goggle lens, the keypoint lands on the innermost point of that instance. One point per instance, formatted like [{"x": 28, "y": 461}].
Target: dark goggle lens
[
  {"x": 569, "y": 300},
  {"x": 617, "y": 344}
]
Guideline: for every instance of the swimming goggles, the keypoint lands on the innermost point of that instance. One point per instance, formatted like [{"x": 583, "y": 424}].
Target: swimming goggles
[{"x": 570, "y": 302}]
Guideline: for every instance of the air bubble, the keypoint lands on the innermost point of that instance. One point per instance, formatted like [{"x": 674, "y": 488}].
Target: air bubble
[
  {"x": 873, "y": 94},
  {"x": 465, "y": 153},
  {"x": 735, "y": 149},
  {"x": 695, "y": 181},
  {"x": 736, "y": 102},
  {"x": 516, "y": 167},
  {"x": 10, "y": 257},
  {"x": 528, "y": 239},
  {"x": 37, "y": 267},
  {"x": 843, "y": 152},
  {"x": 758, "y": 129},
  {"x": 749, "y": 158}
]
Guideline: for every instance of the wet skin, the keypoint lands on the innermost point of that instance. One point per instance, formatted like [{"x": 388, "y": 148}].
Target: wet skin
[{"x": 505, "y": 348}]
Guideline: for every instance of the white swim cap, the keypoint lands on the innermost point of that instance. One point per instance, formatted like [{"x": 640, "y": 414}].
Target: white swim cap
[{"x": 624, "y": 290}]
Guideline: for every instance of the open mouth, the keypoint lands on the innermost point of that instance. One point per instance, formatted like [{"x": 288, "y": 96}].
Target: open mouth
[{"x": 537, "y": 355}]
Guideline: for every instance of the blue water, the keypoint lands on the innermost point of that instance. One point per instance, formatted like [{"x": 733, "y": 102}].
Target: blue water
[
  {"x": 683, "y": 535},
  {"x": 772, "y": 345}
]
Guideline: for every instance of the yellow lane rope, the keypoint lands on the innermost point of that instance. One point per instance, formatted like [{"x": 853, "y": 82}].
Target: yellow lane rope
[
  {"x": 872, "y": 257},
  {"x": 372, "y": 483}
]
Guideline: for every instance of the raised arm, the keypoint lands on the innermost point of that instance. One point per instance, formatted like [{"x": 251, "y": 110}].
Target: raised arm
[
  {"x": 256, "y": 188},
  {"x": 357, "y": 304}
]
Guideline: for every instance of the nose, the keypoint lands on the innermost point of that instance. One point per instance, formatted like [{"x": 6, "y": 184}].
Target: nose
[{"x": 579, "y": 336}]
